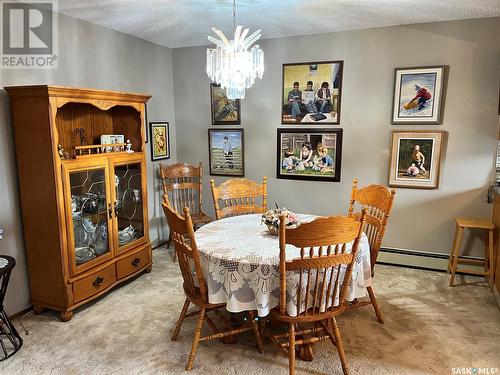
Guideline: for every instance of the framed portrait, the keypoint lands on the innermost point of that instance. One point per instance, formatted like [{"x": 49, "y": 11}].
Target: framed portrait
[
  {"x": 311, "y": 93},
  {"x": 305, "y": 154},
  {"x": 226, "y": 152},
  {"x": 419, "y": 95},
  {"x": 224, "y": 111},
  {"x": 159, "y": 140},
  {"x": 416, "y": 159}
]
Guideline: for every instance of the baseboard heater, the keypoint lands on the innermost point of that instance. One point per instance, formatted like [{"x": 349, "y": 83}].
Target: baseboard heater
[{"x": 415, "y": 259}]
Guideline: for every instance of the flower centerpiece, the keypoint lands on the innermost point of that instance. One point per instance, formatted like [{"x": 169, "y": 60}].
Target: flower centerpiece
[{"x": 272, "y": 219}]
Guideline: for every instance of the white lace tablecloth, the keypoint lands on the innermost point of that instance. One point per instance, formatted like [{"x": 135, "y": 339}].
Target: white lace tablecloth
[{"x": 240, "y": 261}]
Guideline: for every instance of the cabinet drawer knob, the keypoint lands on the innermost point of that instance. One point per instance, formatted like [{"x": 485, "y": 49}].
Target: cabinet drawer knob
[
  {"x": 98, "y": 281},
  {"x": 136, "y": 262}
]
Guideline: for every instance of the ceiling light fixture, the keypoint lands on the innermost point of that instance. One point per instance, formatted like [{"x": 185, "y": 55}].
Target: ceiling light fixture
[{"x": 231, "y": 64}]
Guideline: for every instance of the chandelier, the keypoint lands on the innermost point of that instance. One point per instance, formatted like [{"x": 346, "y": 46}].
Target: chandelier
[{"x": 231, "y": 63}]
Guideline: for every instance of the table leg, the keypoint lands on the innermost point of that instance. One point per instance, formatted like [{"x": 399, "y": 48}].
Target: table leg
[{"x": 306, "y": 351}]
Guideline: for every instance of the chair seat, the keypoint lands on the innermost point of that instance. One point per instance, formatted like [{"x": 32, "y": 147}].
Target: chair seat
[
  {"x": 313, "y": 315},
  {"x": 201, "y": 218},
  {"x": 474, "y": 223}
]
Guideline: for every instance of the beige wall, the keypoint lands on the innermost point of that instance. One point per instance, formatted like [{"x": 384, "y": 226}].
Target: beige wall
[
  {"x": 95, "y": 57},
  {"x": 421, "y": 219}
]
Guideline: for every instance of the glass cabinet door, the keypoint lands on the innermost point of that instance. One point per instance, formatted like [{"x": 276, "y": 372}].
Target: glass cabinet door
[
  {"x": 89, "y": 223},
  {"x": 129, "y": 204}
]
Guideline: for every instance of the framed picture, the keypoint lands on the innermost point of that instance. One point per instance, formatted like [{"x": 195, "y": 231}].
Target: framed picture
[
  {"x": 226, "y": 152},
  {"x": 159, "y": 140},
  {"x": 224, "y": 111},
  {"x": 311, "y": 93},
  {"x": 415, "y": 159},
  {"x": 419, "y": 95},
  {"x": 305, "y": 154}
]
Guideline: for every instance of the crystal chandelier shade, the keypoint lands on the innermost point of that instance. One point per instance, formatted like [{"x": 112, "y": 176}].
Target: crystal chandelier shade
[{"x": 232, "y": 64}]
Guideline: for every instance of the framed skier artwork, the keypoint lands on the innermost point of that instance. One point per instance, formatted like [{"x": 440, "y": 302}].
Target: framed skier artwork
[{"x": 419, "y": 95}]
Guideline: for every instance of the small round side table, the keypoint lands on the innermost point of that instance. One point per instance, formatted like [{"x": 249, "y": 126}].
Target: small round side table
[{"x": 10, "y": 340}]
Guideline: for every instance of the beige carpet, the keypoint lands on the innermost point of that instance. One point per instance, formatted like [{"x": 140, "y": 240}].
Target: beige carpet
[{"x": 430, "y": 329}]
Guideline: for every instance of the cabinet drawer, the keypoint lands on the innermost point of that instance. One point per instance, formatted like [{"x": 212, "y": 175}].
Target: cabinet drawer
[
  {"x": 94, "y": 283},
  {"x": 132, "y": 263}
]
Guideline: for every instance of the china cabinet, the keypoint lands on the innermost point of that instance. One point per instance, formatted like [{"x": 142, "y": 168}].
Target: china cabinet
[{"x": 84, "y": 202}]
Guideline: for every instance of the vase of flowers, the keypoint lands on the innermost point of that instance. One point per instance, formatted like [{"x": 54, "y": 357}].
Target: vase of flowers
[{"x": 272, "y": 219}]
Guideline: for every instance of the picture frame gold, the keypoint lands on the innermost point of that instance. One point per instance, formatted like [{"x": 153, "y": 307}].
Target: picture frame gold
[{"x": 415, "y": 160}]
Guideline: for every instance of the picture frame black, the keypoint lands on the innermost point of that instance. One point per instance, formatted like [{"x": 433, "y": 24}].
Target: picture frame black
[
  {"x": 319, "y": 166},
  {"x": 217, "y": 94},
  {"x": 158, "y": 129},
  {"x": 220, "y": 162},
  {"x": 317, "y": 76}
]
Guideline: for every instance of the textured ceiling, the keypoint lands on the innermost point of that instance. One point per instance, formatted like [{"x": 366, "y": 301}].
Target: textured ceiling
[{"x": 182, "y": 23}]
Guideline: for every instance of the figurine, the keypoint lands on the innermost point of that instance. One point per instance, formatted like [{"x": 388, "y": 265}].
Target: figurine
[
  {"x": 128, "y": 147},
  {"x": 115, "y": 148},
  {"x": 81, "y": 132},
  {"x": 62, "y": 154}
]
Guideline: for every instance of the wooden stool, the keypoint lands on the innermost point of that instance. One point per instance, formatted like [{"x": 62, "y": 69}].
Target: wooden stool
[{"x": 461, "y": 224}]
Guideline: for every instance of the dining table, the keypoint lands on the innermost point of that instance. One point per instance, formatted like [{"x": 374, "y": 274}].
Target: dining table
[{"x": 240, "y": 262}]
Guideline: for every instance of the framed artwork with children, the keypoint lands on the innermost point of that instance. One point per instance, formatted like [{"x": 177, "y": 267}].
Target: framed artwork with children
[
  {"x": 419, "y": 95},
  {"x": 416, "y": 159},
  {"x": 226, "y": 152},
  {"x": 311, "y": 93},
  {"x": 305, "y": 154}
]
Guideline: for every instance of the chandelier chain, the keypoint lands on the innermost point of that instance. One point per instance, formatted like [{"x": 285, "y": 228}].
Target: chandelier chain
[{"x": 234, "y": 14}]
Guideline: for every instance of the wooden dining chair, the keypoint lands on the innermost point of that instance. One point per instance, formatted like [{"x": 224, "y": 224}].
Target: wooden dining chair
[
  {"x": 239, "y": 196},
  {"x": 195, "y": 287},
  {"x": 317, "y": 274},
  {"x": 378, "y": 200},
  {"x": 182, "y": 187}
]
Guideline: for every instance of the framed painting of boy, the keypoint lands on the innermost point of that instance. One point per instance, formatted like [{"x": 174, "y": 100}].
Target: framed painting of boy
[
  {"x": 226, "y": 152},
  {"x": 416, "y": 159}
]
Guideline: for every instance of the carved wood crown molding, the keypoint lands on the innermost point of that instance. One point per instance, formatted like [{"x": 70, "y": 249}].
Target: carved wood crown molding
[
  {"x": 102, "y": 97},
  {"x": 104, "y": 104}
]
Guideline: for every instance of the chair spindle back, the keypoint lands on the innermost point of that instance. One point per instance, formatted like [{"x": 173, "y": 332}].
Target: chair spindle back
[
  {"x": 323, "y": 253},
  {"x": 181, "y": 229},
  {"x": 378, "y": 200},
  {"x": 183, "y": 185},
  {"x": 239, "y": 196}
]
